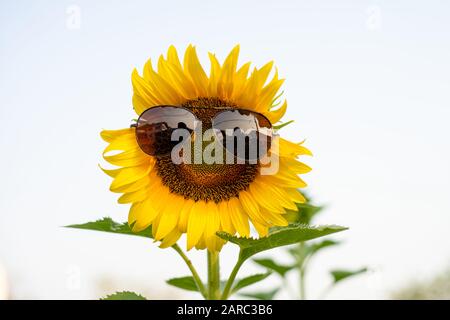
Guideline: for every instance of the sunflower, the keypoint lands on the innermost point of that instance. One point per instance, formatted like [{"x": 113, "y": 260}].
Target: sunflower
[{"x": 201, "y": 199}]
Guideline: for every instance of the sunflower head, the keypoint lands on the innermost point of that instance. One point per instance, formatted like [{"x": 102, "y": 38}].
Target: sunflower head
[{"x": 201, "y": 199}]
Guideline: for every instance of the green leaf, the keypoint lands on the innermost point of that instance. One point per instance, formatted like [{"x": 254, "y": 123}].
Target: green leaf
[
  {"x": 186, "y": 283},
  {"x": 108, "y": 225},
  {"x": 281, "y": 125},
  {"x": 124, "y": 295},
  {"x": 304, "y": 214},
  {"x": 272, "y": 265},
  {"x": 315, "y": 247},
  {"x": 268, "y": 295},
  {"x": 247, "y": 281},
  {"x": 339, "y": 275},
  {"x": 279, "y": 236},
  {"x": 294, "y": 251},
  {"x": 311, "y": 249}
]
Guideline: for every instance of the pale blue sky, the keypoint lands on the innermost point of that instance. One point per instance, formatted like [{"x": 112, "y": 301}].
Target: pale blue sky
[{"x": 367, "y": 83}]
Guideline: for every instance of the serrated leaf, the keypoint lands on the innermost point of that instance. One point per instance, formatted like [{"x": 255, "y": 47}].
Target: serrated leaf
[
  {"x": 185, "y": 283},
  {"x": 272, "y": 265},
  {"x": 124, "y": 295},
  {"x": 280, "y": 236},
  {"x": 247, "y": 281},
  {"x": 268, "y": 295},
  {"x": 108, "y": 225},
  {"x": 339, "y": 275}
]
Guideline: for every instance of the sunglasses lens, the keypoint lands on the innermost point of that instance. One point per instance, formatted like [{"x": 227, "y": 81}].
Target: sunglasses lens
[
  {"x": 245, "y": 134},
  {"x": 155, "y": 127}
]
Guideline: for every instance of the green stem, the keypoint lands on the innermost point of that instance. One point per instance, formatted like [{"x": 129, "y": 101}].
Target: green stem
[
  {"x": 302, "y": 284},
  {"x": 301, "y": 270},
  {"x": 213, "y": 275},
  {"x": 227, "y": 289},
  {"x": 195, "y": 275}
]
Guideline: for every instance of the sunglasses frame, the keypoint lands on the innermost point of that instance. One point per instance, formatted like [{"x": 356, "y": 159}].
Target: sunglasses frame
[{"x": 134, "y": 125}]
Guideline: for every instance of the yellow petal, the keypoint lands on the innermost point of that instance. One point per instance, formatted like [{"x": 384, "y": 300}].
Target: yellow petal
[
  {"x": 275, "y": 115},
  {"x": 131, "y": 174},
  {"x": 159, "y": 195},
  {"x": 147, "y": 75},
  {"x": 184, "y": 215},
  {"x": 250, "y": 92},
  {"x": 155, "y": 224},
  {"x": 196, "y": 223},
  {"x": 212, "y": 225},
  {"x": 133, "y": 213},
  {"x": 264, "y": 198},
  {"x": 194, "y": 70},
  {"x": 170, "y": 239},
  {"x": 111, "y": 172},
  {"x": 282, "y": 180},
  {"x": 290, "y": 148},
  {"x": 293, "y": 165},
  {"x": 238, "y": 217},
  {"x": 201, "y": 244},
  {"x": 143, "y": 89},
  {"x": 213, "y": 243},
  {"x": 225, "y": 218},
  {"x": 142, "y": 215},
  {"x": 135, "y": 196},
  {"x": 139, "y": 104},
  {"x": 275, "y": 218},
  {"x": 169, "y": 216},
  {"x": 226, "y": 79},
  {"x": 268, "y": 93},
  {"x": 139, "y": 184},
  {"x": 262, "y": 230},
  {"x": 121, "y": 144},
  {"x": 251, "y": 207},
  {"x": 110, "y": 135},
  {"x": 278, "y": 195},
  {"x": 295, "y": 195},
  {"x": 263, "y": 73},
  {"x": 164, "y": 91},
  {"x": 214, "y": 76},
  {"x": 172, "y": 57},
  {"x": 176, "y": 78},
  {"x": 129, "y": 158},
  {"x": 240, "y": 81}
]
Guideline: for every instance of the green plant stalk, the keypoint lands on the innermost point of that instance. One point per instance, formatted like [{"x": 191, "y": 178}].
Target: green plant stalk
[
  {"x": 302, "y": 284},
  {"x": 232, "y": 277},
  {"x": 301, "y": 271},
  {"x": 213, "y": 275},
  {"x": 191, "y": 267}
]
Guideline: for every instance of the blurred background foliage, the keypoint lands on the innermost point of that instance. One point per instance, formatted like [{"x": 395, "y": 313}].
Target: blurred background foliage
[
  {"x": 301, "y": 255},
  {"x": 436, "y": 288}
]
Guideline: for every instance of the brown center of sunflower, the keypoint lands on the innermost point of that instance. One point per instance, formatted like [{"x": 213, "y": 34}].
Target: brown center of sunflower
[{"x": 208, "y": 182}]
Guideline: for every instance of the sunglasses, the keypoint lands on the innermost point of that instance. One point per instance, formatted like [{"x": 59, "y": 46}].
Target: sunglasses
[{"x": 239, "y": 131}]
